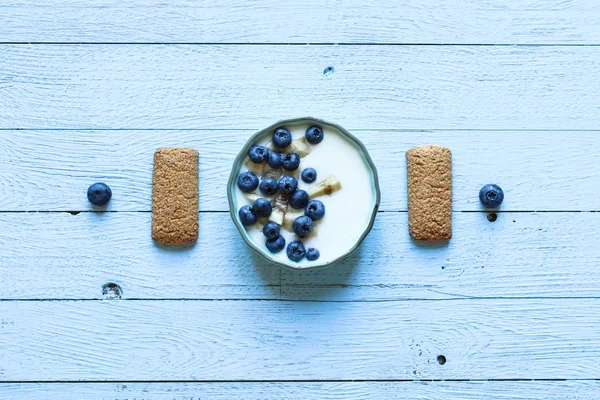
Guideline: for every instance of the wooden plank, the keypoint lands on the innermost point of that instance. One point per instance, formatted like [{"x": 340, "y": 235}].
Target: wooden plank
[
  {"x": 532, "y": 390},
  {"x": 264, "y": 21},
  {"x": 249, "y": 87},
  {"x": 117, "y": 248},
  {"x": 62, "y": 256},
  {"x": 273, "y": 340},
  {"x": 544, "y": 171}
]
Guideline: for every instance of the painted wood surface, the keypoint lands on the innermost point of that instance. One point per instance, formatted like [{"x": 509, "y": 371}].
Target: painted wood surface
[
  {"x": 63, "y": 256},
  {"x": 566, "y": 390},
  {"x": 540, "y": 171},
  {"x": 313, "y": 21},
  {"x": 275, "y": 340},
  {"x": 89, "y": 90},
  {"x": 248, "y": 87}
]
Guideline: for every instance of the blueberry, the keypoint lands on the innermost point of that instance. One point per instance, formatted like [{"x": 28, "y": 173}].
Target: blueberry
[
  {"x": 274, "y": 159},
  {"x": 275, "y": 245},
  {"x": 268, "y": 186},
  {"x": 312, "y": 254},
  {"x": 262, "y": 207},
  {"x": 299, "y": 199},
  {"x": 271, "y": 230},
  {"x": 314, "y": 135},
  {"x": 309, "y": 175},
  {"x": 287, "y": 184},
  {"x": 99, "y": 194},
  {"x": 247, "y": 182},
  {"x": 290, "y": 162},
  {"x": 258, "y": 153},
  {"x": 247, "y": 215},
  {"x": 302, "y": 226},
  {"x": 491, "y": 196},
  {"x": 282, "y": 138},
  {"x": 315, "y": 210},
  {"x": 295, "y": 251}
]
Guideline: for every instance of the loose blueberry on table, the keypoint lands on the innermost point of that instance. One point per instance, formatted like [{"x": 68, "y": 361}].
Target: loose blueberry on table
[
  {"x": 99, "y": 194},
  {"x": 491, "y": 196}
]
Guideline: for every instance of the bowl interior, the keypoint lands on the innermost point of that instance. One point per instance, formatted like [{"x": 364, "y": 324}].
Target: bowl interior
[{"x": 369, "y": 204}]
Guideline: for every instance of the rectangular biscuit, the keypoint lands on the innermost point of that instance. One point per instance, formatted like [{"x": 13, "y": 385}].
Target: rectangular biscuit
[
  {"x": 175, "y": 196},
  {"x": 429, "y": 193}
]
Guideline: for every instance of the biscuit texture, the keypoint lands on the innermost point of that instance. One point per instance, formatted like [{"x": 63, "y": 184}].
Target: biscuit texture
[
  {"x": 429, "y": 193},
  {"x": 175, "y": 196}
]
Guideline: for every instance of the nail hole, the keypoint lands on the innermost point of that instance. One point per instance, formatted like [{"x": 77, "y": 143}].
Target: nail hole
[
  {"x": 111, "y": 291},
  {"x": 441, "y": 359},
  {"x": 492, "y": 217},
  {"x": 328, "y": 71},
  {"x": 74, "y": 212}
]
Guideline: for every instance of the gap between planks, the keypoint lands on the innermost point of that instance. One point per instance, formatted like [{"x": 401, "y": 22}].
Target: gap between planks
[
  {"x": 284, "y": 300},
  {"x": 264, "y": 21},
  {"x": 312, "y": 380},
  {"x": 250, "y": 341},
  {"x": 49, "y": 256},
  {"x": 439, "y": 86},
  {"x": 304, "y": 44}
]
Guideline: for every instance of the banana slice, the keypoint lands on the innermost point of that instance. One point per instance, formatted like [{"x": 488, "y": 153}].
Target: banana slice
[
  {"x": 251, "y": 197},
  {"x": 269, "y": 172},
  {"x": 313, "y": 233},
  {"x": 280, "y": 207},
  {"x": 299, "y": 146},
  {"x": 290, "y": 217},
  {"x": 277, "y": 216},
  {"x": 260, "y": 224},
  {"x": 328, "y": 186},
  {"x": 256, "y": 169},
  {"x": 263, "y": 170},
  {"x": 281, "y": 202}
]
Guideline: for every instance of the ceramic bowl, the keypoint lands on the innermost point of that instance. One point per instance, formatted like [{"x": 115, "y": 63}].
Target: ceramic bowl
[{"x": 238, "y": 165}]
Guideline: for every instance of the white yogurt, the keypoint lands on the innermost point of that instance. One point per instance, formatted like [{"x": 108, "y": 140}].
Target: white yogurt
[{"x": 347, "y": 211}]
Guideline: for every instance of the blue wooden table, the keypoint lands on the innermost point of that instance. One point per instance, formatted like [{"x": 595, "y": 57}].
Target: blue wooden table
[{"x": 91, "y": 308}]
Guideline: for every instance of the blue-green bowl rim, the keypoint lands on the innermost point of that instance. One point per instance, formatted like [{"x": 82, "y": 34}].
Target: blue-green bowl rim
[{"x": 231, "y": 185}]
